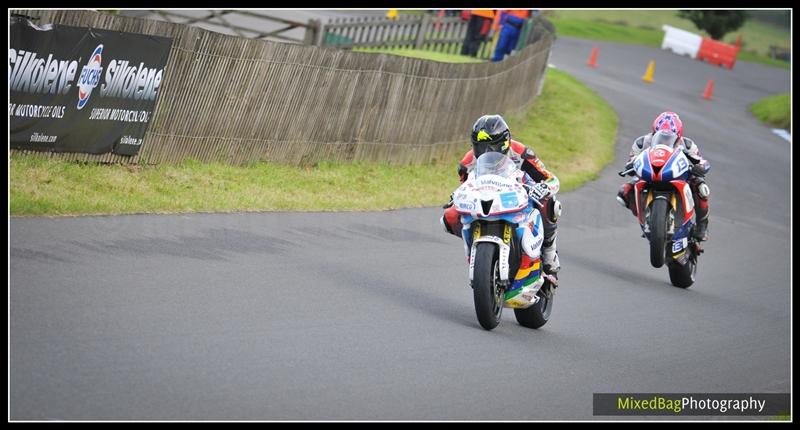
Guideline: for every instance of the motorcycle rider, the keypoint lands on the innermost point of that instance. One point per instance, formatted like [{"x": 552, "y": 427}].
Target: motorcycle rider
[
  {"x": 490, "y": 133},
  {"x": 667, "y": 129}
]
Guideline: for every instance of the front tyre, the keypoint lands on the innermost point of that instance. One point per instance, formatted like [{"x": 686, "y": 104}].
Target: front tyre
[
  {"x": 487, "y": 294},
  {"x": 658, "y": 232}
]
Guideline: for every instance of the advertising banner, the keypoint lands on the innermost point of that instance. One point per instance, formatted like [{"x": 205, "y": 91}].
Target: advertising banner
[{"x": 74, "y": 89}]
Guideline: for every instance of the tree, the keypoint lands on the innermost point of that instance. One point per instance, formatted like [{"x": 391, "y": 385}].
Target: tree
[{"x": 715, "y": 22}]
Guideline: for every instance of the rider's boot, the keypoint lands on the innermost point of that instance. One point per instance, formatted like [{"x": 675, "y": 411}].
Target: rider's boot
[
  {"x": 550, "y": 262},
  {"x": 700, "y": 193},
  {"x": 701, "y": 229},
  {"x": 626, "y": 198}
]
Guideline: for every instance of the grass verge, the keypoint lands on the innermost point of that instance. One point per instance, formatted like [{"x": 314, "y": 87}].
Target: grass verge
[
  {"x": 554, "y": 126},
  {"x": 423, "y": 54},
  {"x": 604, "y": 31},
  {"x": 773, "y": 110}
]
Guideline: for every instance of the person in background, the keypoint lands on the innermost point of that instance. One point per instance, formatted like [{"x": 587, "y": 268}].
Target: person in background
[
  {"x": 480, "y": 22},
  {"x": 512, "y": 21}
]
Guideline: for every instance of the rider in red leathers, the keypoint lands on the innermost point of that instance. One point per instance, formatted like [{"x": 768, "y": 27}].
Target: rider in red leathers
[{"x": 491, "y": 133}]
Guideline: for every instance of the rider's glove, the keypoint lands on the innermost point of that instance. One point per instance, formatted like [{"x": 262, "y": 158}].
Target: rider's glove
[
  {"x": 698, "y": 170},
  {"x": 538, "y": 191}
]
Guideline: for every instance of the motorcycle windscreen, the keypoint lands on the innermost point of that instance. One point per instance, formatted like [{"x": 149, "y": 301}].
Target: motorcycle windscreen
[
  {"x": 665, "y": 138},
  {"x": 495, "y": 163}
]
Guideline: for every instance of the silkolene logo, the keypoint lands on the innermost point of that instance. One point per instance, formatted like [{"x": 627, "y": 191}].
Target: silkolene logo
[{"x": 90, "y": 76}]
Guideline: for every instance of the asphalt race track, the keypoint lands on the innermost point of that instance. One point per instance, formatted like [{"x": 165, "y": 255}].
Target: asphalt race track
[{"x": 368, "y": 316}]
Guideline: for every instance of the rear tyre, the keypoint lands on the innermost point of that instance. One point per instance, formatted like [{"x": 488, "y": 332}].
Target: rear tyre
[
  {"x": 682, "y": 276},
  {"x": 538, "y": 314}
]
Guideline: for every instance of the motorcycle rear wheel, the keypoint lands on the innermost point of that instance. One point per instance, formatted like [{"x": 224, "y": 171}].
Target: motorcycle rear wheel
[
  {"x": 538, "y": 314},
  {"x": 682, "y": 276}
]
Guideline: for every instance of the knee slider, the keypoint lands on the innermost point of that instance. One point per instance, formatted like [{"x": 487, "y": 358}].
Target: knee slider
[
  {"x": 622, "y": 191},
  {"x": 555, "y": 209},
  {"x": 703, "y": 191}
]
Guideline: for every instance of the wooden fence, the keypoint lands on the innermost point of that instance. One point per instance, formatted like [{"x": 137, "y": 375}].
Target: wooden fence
[
  {"x": 238, "y": 100},
  {"x": 440, "y": 34},
  {"x": 445, "y": 34}
]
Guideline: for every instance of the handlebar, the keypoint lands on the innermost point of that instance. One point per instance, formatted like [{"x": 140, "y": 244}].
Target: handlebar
[
  {"x": 627, "y": 169},
  {"x": 626, "y": 172}
]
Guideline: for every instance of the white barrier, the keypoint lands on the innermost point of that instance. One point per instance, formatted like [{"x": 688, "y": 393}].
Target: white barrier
[{"x": 681, "y": 42}]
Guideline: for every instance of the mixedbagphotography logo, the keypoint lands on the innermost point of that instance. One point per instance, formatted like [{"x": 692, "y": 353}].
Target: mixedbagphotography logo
[{"x": 674, "y": 404}]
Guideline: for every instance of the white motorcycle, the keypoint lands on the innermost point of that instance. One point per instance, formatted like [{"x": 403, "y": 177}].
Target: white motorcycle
[{"x": 495, "y": 210}]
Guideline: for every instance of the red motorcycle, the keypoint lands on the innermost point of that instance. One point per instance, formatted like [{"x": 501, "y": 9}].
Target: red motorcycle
[{"x": 665, "y": 209}]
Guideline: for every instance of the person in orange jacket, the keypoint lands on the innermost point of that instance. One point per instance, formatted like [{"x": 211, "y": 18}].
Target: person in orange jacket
[
  {"x": 512, "y": 21},
  {"x": 480, "y": 22}
]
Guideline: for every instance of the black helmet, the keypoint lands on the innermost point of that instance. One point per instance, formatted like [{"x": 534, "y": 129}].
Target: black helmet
[{"x": 490, "y": 134}]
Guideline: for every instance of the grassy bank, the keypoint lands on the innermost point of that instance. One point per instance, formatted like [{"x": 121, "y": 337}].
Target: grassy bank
[
  {"x": 595, "y": 30},
  {"x": 554, "y": 127},
  {"x": 48, "y": 187},
  {"x": 643, "y": 27},
  {"x": 773, "y": 110}
]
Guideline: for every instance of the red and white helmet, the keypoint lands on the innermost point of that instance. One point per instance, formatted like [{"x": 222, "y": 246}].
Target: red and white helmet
[{"x": 668, "y": 121}]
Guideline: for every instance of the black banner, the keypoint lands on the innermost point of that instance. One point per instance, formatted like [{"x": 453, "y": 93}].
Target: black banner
[{"x": 75, "y": 89}]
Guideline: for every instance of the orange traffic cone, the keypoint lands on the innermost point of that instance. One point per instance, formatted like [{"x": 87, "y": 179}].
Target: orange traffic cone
[
  {"x": 709, "y": 89},
  {"x": 593, "y": 58}
]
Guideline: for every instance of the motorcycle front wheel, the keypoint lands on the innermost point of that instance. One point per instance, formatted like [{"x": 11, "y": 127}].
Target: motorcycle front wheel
[
  {"x": 488, "y": 296},
  {"x": 658, "y": 232}
]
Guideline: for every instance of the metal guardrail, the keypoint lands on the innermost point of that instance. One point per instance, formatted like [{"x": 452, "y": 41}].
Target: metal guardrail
[
  {"x": 780, "y": 53},
  {"x": 29, "y": 17},
  {"x": 223, "y": 18}
]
